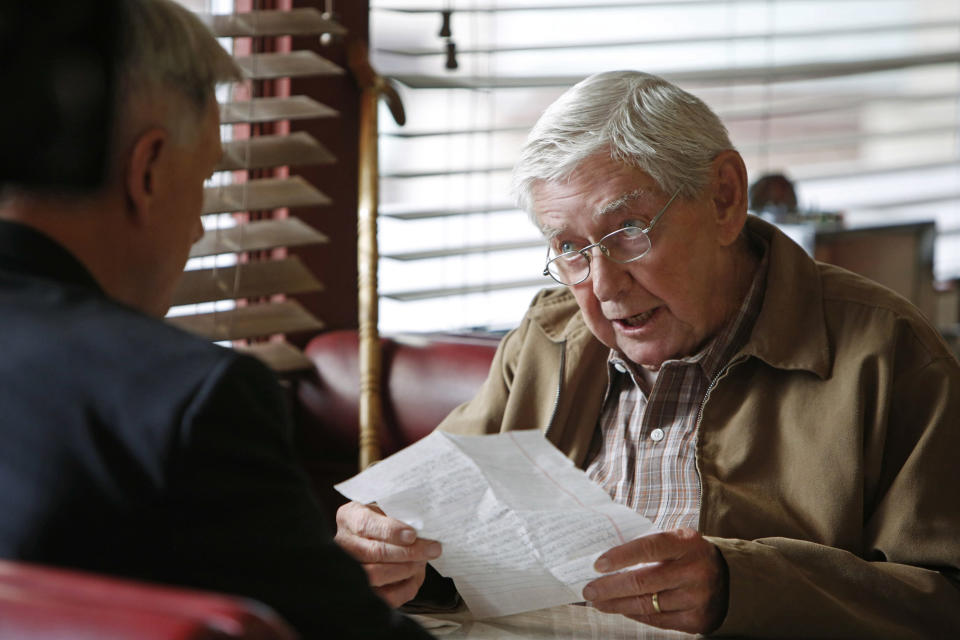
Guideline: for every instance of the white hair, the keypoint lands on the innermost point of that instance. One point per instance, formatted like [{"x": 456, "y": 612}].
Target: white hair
[
  {"x": 168, "y": 57},
  {"x": 636, "y": 118}
]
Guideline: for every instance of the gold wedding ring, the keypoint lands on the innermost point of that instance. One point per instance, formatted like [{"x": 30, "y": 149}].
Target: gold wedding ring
[{"x": 655, "y": 599}]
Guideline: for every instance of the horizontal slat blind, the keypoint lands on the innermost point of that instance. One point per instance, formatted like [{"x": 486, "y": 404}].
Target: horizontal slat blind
[
  {"x": 269, "y": 66},
  {"x": 856, "y": 100},
  {"x": 257, "y": 236},
  {"x": 271, "y": 109},
  {"x": 274, "y": 151},
  {"x": 279, "y": 356},
  {"x": 294, "y": 22},
  {"x": 259, "y": 279},
  {"x": 263, "y": 193},
  {"x": 253, "y": 321},
  {"x": 236, "y": 281}
]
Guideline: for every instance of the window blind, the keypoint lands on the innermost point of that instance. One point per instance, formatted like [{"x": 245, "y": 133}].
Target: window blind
[
  {"x": 239, "y": 276},
  {"x": 856, "y": 101}
]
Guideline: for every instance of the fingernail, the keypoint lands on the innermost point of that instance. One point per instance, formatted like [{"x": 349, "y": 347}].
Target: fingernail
[
  {"x": 589, "y": 593},
  {"x": 602, "y": 565},
  {"x": 434, "y": 550},
  {"x": 408, "y": 536}
]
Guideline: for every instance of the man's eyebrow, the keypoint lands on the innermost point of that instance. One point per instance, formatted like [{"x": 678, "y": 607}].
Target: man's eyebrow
[
  {"x": 550, "y": 232},
  {"x": 617, "y": 204}
]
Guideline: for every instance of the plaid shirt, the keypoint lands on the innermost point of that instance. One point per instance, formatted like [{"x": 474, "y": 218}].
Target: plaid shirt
[{"x": 643, "y": 452}]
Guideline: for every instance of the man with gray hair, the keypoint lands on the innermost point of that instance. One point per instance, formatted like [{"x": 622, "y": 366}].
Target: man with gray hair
[
  {"x": 790, "y": 427},
  {"x": 131, "y": 447}
]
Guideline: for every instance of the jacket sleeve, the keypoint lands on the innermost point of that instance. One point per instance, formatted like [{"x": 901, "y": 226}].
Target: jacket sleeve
[
  {"x": 902, "y": 582},
  {"x": 484, "y": 413},
  {"x": 244, "y": 519}
]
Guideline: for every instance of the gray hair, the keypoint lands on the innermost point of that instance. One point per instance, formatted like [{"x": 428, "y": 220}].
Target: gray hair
[
  {"x": 638, "y": 119},
  {"x": 169, "y": 57}
]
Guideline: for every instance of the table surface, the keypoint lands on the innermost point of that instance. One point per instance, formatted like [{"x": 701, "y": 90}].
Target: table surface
[{"x": 569, "y": 622}]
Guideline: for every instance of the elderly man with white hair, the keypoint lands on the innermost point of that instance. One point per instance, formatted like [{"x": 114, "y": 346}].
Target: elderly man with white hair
[{"x": 789, "y": 426}]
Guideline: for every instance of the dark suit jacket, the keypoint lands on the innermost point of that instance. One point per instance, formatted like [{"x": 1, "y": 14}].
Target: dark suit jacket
[{"x": 133, "y": 448}]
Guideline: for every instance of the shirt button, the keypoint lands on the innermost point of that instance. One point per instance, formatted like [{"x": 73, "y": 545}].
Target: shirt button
[
  {"x": 657, "y": 435},
  {"x": 619, "y": 366}
]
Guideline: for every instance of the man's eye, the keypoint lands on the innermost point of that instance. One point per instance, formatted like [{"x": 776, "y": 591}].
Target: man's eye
[
  {"x": 634, "y": 227},
  {"x": 567, "y": 245}
]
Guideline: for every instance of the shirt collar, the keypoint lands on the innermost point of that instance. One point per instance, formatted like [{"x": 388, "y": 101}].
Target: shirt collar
[{"x": 791, "y": 332}]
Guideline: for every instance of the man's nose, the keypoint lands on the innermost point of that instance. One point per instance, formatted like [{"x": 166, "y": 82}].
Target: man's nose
[{"x": 609, "y": 278}]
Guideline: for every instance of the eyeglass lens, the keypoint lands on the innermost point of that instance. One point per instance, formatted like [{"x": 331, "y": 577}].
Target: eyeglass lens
[{"x": 623, "y": 245}]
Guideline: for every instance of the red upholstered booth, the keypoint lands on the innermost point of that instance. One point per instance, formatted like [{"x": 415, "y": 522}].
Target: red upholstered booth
[
  {"x": 43, "y": 603},
  {"x": 423, "y": 378}
]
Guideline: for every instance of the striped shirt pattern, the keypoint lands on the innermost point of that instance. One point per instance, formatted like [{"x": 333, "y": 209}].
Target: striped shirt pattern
[{"x": 643, "y": 452}]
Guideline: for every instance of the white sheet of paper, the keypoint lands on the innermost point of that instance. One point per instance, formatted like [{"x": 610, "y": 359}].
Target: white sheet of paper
[{"x": 521, "y": 526}]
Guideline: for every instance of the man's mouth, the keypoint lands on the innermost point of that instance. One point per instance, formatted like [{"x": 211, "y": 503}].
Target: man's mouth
[{"x": 639, "y": 319}]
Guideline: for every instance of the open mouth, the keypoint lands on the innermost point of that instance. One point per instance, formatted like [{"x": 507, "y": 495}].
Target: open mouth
[{"x": 639, "y": 319}]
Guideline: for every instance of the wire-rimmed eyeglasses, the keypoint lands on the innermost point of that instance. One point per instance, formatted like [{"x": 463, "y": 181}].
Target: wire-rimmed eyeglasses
[{"x": 623, "y": 245}]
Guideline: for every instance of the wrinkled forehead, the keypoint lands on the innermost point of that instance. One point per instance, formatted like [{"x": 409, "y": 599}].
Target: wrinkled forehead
[
  {"x": 640, "y": 196},
  {"x": 553, "y": 223}
]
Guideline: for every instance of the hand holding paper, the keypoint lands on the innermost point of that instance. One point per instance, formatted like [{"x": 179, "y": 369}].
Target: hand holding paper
[
  {"x": 520, "y": 525},
  {"x": 685, "y": 572},
  {"x": 394, "y": 558}
]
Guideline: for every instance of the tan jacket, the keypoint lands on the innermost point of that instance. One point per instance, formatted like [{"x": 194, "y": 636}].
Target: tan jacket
[{"x": 827, "y": 449}]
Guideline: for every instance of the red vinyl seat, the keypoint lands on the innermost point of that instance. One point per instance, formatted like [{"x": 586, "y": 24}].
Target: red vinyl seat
[{"x": 38, "y": 602}]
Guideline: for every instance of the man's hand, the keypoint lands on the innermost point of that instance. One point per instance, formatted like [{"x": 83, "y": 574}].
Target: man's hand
[
  {"x": 689, "y": 579},
  {"x": 394, "y": 558}
]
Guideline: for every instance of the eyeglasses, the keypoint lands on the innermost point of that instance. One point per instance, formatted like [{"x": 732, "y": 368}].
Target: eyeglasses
[{"x": 623, "y": 245}]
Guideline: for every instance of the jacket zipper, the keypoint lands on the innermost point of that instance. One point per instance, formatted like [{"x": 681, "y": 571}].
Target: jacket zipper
[
  {"x": 556, "y": 400},
  {"x": 696, "y": 460}
]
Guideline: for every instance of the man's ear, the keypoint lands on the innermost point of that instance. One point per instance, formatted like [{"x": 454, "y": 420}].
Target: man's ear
[
  {"x": 143, "y": 171},
  {"x": 729, "y": 176}
]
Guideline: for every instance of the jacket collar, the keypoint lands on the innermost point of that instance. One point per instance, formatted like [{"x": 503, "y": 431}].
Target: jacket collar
[
  {"x": 789, "y": 333},
  {"x": 25, "y": 250},
  {"x": 558, "y": 316}
]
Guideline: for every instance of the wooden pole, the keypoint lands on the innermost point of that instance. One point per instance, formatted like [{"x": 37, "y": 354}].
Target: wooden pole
[
  {"x": 367, "y": 258},
  {"x": 373, "y": 88}
]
